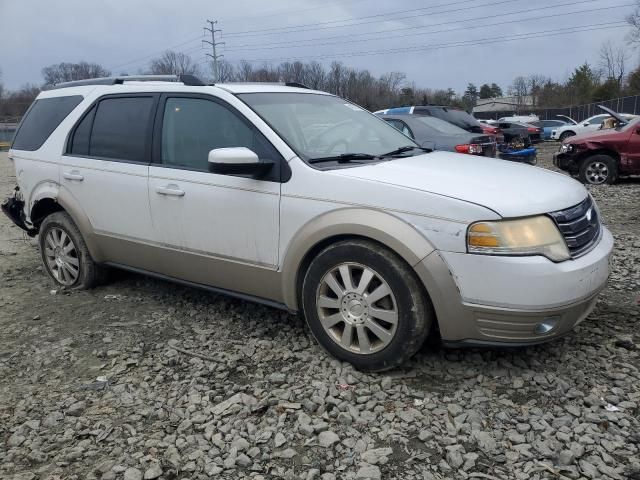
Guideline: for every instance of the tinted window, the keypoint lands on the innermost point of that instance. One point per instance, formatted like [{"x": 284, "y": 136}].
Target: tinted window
[
  {"x": 120, "y": 128},
  {"x": 191, "y": 127},
  {"x": 400, "y": 126},
  {"x": 441, "y": 125},
  {"x": 42, "y": 119},
  {"x": 80, "y": 139},
  {"x": 598, "y": 120}
]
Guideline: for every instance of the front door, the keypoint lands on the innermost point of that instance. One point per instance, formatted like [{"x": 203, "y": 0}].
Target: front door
[
  {"x": 631, "y": 161},
  {"x": 216, "y": 229}
]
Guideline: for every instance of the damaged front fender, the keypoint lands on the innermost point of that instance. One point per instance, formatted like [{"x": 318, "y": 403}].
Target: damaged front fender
[{"x": 13, "y": 207}]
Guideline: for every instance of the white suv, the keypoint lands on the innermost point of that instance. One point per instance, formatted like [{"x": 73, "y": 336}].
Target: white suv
[{"x": 304, "y": 201}]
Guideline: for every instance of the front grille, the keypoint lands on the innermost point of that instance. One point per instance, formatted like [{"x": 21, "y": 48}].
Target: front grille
[{"x": 580, "y": 226}]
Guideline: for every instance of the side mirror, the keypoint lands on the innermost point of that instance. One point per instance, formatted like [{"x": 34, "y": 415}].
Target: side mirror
[
  {"x": 585, "y": 124},
  {"x": 237, "y": 161}
]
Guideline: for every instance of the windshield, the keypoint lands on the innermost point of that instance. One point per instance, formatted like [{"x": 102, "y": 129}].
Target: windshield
[
  {"x": 441, "y": 125},
  {"x": 633, "y": 122},
  {"x": 318, "y": 126}
]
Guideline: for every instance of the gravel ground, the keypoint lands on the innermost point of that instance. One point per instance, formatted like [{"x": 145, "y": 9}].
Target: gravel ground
[{"x": 145, "y": 379}]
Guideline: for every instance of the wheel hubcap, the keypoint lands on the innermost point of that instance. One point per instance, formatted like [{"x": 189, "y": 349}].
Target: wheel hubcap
[
  {"x": 61, "y": 256},
  {"x": 597, "y": 173},
  {"x": 357, "y": 308}
]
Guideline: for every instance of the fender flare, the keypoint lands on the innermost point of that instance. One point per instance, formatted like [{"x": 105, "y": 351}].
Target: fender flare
[
  {"x": 377, "y": 225},
  {"x": 73, "y": 208}
]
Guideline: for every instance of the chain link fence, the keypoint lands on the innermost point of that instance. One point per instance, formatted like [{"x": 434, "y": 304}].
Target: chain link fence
[
  {"x": 579, "y": 113},
  {"x": 8, "y": 127}
]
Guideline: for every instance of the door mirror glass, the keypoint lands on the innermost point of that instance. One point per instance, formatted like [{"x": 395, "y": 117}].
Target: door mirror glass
[
  {"x": 238, "y": 161},
  {"x": 586, "y": 124}
]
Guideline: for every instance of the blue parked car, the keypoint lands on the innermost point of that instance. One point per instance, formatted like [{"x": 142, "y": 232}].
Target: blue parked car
[{"x": 547, "y": 126}]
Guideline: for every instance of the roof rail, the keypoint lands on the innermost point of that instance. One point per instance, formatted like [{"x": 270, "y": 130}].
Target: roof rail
[{"x": 190, "y": 80}]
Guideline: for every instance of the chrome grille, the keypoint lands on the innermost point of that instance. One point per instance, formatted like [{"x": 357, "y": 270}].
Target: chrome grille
[{"x": 580, "y": 226}]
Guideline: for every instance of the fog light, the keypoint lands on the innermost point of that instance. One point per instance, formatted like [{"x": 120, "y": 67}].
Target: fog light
[{"x": 546, "y": 325}]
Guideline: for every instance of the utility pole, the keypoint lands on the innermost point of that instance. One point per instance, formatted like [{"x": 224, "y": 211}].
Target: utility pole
[{"x": 214, "y": 55}]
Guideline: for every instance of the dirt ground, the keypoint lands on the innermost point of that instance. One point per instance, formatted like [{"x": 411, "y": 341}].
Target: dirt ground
[{"x": 172, "y": 355}]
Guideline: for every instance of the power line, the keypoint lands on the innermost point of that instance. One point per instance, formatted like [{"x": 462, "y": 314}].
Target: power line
[
  {"x": 465, "y": 43},
  {"x": 214, "y": 55},
  {"x": 350, "y": 38},
  {"x": 328, "y": 25},
  {"x": 286, "y": 11}
]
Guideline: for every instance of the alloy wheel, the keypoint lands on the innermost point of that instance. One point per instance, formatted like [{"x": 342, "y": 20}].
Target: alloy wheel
[
  {"x": 357, "y": 308},
  {"x": 597, "y": 173},
  {"x": 61, "y": 256}
]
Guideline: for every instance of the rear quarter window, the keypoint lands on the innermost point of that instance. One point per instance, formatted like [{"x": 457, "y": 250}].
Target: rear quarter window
[{"x": 42, "y": 118}]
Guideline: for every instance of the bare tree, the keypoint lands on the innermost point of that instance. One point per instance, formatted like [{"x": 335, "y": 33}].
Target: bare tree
[
  {"x": 244, "y": 71},
  {"x": 173, "y": 63},
  {"x": 613, "y": 61},
  {"x": 535, "y": 84},
  {"x": 633, "y": 19},
  {"x": 315, "y": 75},
  {"x": 68, "y": 72},
  {"x": 520, "y": 90},
  {"x": 226, "y": 71},
  {"x": 335, "y": 78}
]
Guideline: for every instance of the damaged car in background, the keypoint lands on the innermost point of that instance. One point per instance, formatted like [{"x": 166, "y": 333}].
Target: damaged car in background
[
  {"x": 603, "y": 156},
  {"x": 589, "y": 125}
]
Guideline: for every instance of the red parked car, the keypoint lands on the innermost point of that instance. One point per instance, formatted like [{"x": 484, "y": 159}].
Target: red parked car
[{"x": 602, "y": 156}]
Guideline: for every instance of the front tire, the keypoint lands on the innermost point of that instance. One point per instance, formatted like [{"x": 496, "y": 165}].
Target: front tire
[
  {"x": 365, "y": 305},
  {"x": 599, "y": 170},
  {"x": 65, "y": 255}
]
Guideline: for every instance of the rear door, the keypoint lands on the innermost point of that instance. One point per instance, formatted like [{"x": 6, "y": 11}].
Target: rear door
[{"x": 105, "y": 169}]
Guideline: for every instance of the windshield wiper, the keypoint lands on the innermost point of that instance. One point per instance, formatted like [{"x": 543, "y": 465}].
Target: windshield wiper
[
  {"x": 405, "y": 149},
  {"x": 344, "y": 157}
]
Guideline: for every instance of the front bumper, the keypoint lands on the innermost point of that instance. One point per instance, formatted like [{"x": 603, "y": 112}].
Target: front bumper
[
  {"x": 501, "y": 300},
  {"x": 566, "y": 161}
]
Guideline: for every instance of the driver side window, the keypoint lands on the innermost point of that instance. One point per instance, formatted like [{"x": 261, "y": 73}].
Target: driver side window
[{"x": 191, "y": 127}]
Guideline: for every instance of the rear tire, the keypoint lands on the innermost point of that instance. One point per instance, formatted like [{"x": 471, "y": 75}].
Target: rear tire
[
  {"x": 566, "y": 135},
  {"x": 365, "y": 305},
  {"x": 599, "y": 170},
  {"x": 65, "y": 255}
]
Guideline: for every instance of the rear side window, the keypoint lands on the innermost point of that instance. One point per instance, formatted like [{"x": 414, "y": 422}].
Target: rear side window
[
  {"x": 120, "y": 128},
  {"x": 42, "y": 119}
]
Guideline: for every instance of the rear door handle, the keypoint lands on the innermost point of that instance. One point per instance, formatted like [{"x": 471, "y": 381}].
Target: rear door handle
[
  {"x": 170, "y": 189},
  {"x": 73, "y": 175}
]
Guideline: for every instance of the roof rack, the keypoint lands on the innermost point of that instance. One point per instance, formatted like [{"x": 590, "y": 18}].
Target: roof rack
[
  {"x": 189, "y": 80},
  {"x": 296, "y": 84}
]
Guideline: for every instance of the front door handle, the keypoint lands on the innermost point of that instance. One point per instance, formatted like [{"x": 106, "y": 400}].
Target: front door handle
[
  {"x": 170, "y": 189},
  {"x": 73, "y": 175}
]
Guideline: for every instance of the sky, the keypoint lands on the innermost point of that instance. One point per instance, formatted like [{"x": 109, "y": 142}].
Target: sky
[{"x": 436, "y": 43}]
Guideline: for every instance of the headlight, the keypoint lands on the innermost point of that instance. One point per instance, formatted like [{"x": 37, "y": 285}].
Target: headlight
[
  {"x": 566, "y": 148},
  {"x": 526, "y": 236}
]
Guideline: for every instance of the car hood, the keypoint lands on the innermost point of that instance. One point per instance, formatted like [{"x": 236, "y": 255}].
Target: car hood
[
  {"x": 594, "y": 136},
  {"x": 509, "y": 189}
]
